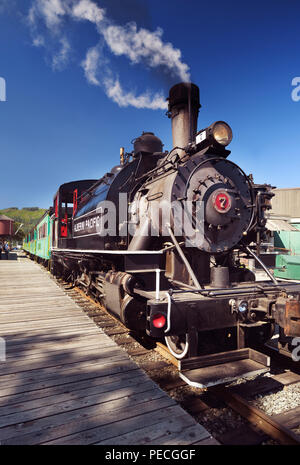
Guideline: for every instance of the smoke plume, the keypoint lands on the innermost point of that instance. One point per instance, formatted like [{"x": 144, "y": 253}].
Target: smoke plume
[{"x": 139, "y": 46}]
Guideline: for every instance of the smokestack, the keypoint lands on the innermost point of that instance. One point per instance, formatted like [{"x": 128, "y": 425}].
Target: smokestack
[{"x": 183, "y": 109}]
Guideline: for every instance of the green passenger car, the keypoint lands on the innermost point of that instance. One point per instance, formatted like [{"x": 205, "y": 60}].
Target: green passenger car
[{"x": 38, "y": 242}]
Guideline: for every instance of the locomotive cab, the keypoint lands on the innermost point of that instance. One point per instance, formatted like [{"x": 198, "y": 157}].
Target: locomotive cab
[{"x": 63, "y": 204}]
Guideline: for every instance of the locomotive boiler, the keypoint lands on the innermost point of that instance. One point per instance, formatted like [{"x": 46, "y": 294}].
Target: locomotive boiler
[{"x": 161, "y": 240}]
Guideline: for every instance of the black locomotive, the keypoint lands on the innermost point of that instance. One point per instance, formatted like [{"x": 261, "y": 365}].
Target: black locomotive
[{"x": 160, "y": 241}]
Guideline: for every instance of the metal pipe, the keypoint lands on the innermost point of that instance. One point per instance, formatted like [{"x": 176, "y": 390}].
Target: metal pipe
[
  {"x": 157, "y": 284},
  {"x": 183, "y": 110},
  {"x": 230, "y": 292},
  {"x": 141, "y": 238},
  {"x": 180, "y": 283},
  {"x": 183, "y": 257},
  {"x": 169, "y": 299},
  {"x": 262, "y": 265}
]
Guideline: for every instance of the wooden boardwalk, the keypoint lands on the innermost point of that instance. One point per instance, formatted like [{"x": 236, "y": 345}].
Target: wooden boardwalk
[{"x": 66, "y": 382}]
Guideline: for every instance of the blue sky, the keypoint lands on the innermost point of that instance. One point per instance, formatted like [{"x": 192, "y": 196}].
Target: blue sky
[{"x": 60, "y": 122}]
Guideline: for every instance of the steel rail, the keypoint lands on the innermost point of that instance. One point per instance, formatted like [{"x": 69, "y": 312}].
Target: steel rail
[{"x": 257, "y": 417}]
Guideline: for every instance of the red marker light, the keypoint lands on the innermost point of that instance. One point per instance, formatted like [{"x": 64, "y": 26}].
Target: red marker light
[{"x": 159, "y": 320}]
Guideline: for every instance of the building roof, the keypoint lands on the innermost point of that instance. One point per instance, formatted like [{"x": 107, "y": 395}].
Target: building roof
[
  {"x": 286, "y": 189},
  {"x": 5, "y": 218},
  {"x": 279, "y": 225}
]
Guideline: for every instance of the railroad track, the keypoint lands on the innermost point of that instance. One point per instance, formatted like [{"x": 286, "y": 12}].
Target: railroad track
[{"x": 162, "y": 367}]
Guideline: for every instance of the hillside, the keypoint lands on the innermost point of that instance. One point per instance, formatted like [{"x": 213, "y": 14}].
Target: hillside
[{"x": 28, "y": 216}]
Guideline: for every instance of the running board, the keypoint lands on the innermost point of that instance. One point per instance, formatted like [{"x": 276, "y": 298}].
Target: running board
[{"x": 224, "y": 367}]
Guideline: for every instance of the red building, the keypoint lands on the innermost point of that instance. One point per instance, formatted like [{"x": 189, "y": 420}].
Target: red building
[{"x": 6, "y": 226}]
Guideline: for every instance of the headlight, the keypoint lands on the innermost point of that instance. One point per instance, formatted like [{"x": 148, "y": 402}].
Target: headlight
[
  {"x": 243, "y": 306},
  {"x": 218, "y": 134},
  {"x": 222, "y": 133}
]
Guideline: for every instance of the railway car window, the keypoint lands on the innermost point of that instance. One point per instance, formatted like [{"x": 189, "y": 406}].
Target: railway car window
[{"x": 42, "y": 231}]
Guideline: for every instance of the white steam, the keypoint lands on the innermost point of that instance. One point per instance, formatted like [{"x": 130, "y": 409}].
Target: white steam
[
  {"x": 61, "y": 58},
  {"x": 88, "y": 10},
  {"x": 124, "y": 99},
  {"x": 145, "y": 46},
  {"x": 90, "y": 66},
  {"x": 138, "y": 45},
  {"x": 51, "y": 11}
]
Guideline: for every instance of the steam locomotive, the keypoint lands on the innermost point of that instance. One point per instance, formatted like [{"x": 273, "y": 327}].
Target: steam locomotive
[{"x": 161, "y": 240}]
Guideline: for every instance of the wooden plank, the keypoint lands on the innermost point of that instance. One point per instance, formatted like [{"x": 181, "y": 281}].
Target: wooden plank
[
  {"x": 169, "y": 385},
  {"x": 149, "y": 365},
  {"x": 38, "y": 356},
  {"x": 100, "y": 390},
  {"x": 89, "y": 372},
  {"x": 115, "y": 331},
  {"x": 164, "y": 351},
  {"x": 62, "y": 425},
  {"x": 14, "y": 353},
  {"x": 43, "y": 295},
  {"x": 33, "y": 317},
  {"x": 194, "y": 432},
  {"x": 106, "y": 409},
  {"x": 243, "y": 436},
  {"x": 58, "y": 360},
  {"x": 34, "y": 334},
  {"x": 206, "y": 442},
  {"x": 287, "y": 378},
  {"x": 56, "y": 335},
  {"x": 290, "y": 418},
  {"x": 109, "y": 365},
  {"x": 136, "y": 419},
  {"x": 47, "y": 322},
  {"x": 195, "y": 405},
  {"x": 164, "y": 433},
  {"x": 120, "y": 395},
  {"x": 39, "y": 326},
  {"x": 42, "y": 310},
  {"x": 59, "y": 339},
  {"x": 78, "y": 382}
]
